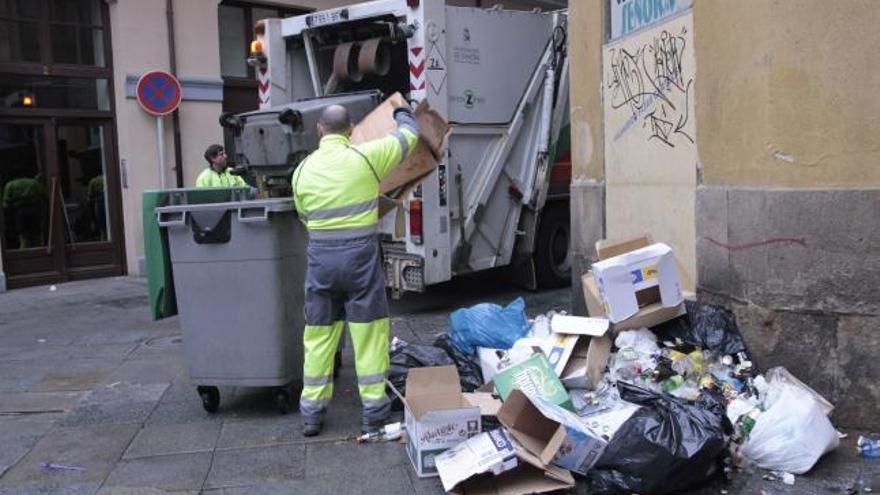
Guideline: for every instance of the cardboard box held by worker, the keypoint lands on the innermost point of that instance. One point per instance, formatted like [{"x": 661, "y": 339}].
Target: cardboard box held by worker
[
  {"x": 436, "y": 414},
  {"x": 635, "y": 284},
  {"x": 553, "y": 434},
  {"x": 578, "y": 350},
  {"x": 433, "y": 130}
]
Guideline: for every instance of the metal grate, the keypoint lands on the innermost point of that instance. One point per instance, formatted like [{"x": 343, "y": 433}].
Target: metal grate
[{"x": 414, "y": 277}]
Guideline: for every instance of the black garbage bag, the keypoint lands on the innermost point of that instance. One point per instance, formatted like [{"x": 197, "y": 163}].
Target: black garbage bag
[
  {"x": 668, "y": 446},
  {"x": 469, "y": 371},
  {"x": 412, "y": 356},
  {"x": 706, "y": 326}
]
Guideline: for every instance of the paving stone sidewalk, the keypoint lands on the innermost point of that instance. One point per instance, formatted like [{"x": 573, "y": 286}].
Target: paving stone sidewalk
[{"x": 88, "y": 380}]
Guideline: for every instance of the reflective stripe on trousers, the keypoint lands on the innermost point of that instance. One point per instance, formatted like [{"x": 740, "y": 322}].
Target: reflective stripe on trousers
[{"x": 345, "y": 280}]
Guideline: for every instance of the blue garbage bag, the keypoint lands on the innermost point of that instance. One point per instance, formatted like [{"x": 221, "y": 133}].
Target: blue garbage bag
[{"x": 488, "y": 325}]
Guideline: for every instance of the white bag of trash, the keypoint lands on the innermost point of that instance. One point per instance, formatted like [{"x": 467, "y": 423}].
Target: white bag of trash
[
  {"x": 636, "y": 351},
  {"x": 792, "y": 433},
  {"x": 643, "y": 341}
]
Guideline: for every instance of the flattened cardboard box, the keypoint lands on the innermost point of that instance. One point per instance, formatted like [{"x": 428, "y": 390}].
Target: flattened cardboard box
[
  {"x": 525, "y": 479},
  {"x": 553, "y": 434},
  {"x": 491, "y": 452},
  {"x": 528, "y": 477},
  {"x": 437, "y": 415}
]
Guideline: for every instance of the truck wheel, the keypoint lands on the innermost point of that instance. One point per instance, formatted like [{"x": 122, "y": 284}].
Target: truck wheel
[{"x": 552, "y": 250}]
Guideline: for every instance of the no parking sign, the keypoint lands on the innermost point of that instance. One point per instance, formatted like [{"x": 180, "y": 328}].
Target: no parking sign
[{"x": 159, "y": 94}]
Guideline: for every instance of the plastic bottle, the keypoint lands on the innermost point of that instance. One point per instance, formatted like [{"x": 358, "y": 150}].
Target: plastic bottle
[
  {"x": 869, "y": 447},
  {"x": 672, "y": 383},
  {"x": 387, "y": 433}
]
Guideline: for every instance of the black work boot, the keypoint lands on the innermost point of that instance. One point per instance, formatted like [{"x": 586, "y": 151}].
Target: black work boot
[{"x": 311, "y": 429}]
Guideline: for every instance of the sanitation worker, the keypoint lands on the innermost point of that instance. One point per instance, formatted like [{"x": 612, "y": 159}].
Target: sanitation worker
[
  {"x": 336, "y": 192},
  {"x": 217, "y": 174}
]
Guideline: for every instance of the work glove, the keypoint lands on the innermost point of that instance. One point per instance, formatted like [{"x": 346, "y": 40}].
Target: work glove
[{"x": 406, "y": 119}]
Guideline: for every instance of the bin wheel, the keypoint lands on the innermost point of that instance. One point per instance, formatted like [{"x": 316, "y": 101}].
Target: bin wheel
[
  {"x": 210, "y": 398},
  {"x": 283, "y": 400},
  {"x": 337, "y": 364}
]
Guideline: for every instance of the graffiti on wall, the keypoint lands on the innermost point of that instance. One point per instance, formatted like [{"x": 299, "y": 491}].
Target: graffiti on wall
[
  {"x": 650, "y": 81},
  {"x": 649, "y": 116}
]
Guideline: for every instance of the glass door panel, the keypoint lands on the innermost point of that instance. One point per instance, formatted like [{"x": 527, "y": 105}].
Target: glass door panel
[
  {"x": 82, "y": 169},
  {"x": 24, "y": 187}
]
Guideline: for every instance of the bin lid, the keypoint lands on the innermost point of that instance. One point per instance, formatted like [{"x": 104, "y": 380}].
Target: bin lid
[{"x": 274, "y": 205}]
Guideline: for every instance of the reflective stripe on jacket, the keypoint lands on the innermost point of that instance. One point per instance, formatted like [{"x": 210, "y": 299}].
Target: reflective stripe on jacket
[
  {"x": 210, "y": 178},
  {"x": 337, "y": 187}
]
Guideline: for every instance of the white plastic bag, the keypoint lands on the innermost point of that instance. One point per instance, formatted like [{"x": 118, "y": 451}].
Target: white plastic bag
[
  {"x": 643, "y": 341},
  {"x": 636, "y": 350},
  {"x": 541, "y": 326},
  {"x": 780, "y": 374},
  {"x": 792, "y": 434}
]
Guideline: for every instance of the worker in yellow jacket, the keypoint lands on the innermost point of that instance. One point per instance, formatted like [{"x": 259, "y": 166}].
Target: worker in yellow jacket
[
  {"x": 336, "y": 192},
  {"x": 217, "y": 174}
]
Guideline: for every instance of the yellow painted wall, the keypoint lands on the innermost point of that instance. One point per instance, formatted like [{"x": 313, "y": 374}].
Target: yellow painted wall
[
  {"x": 140, "y": 44},
  {"x": 788, "y": 92},
  {"x": 134, "y": 33},
  {"x": 585, "y": 36},
  {"x": 650, "y": 137},
  {"x": 197, "y": 43},
  {"x": 785, "y": 95}
]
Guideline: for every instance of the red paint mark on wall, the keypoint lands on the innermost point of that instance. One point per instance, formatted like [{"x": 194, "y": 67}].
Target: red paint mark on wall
[{"x": 757, "y": 244}]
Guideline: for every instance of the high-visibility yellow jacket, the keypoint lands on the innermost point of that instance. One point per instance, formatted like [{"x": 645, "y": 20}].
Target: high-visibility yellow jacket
[
  {"x": 336, "y": 189},
  {"x": 211, "y": 178}
]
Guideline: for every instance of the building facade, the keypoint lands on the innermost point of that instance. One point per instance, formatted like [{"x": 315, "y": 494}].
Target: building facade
[
  {"x": 76, "y": 149},
  {"x": 743, "y": 134}
]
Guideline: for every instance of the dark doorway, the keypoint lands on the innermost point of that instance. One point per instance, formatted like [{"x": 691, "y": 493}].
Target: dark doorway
[{"x": 59, "y": 187}]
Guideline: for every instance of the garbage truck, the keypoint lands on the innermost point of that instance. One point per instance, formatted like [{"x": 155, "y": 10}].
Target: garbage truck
[{"x": 499, "y": 195}]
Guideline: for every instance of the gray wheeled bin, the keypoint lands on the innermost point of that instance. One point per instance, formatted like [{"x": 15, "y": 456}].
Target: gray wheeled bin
[{"x": 239, "y": 269}]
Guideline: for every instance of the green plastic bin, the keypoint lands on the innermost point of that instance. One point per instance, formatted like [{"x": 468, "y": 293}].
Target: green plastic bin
[{"x": 160, "y": 279}]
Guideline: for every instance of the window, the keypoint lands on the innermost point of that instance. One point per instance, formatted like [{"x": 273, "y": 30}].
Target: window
[
  {"x": 260, "y": 13},
  {"x": 77, "y": 32},
  {"x": 26, "y": 91},
  {"x": 69, "y": 32},
  {"x": 233, "y": 41},
  {"x": 19, "y": 31},
  {"x": 236, "y": 24},
  {"x": 54, "y": 55}
]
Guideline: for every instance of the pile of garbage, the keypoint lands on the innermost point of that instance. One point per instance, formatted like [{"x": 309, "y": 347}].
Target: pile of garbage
[{"x": 652, "y": 394}]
